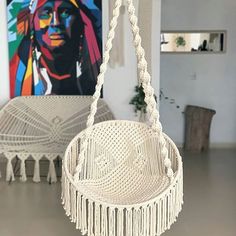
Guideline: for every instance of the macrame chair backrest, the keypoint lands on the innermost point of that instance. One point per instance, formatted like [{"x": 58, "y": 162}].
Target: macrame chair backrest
[{"x": 145, "y": 80}]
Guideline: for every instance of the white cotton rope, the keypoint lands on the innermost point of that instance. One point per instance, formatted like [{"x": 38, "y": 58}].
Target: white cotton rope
[
  {"x": 36, "y": 176},
  {"x": 51, "y": 177},
  {"x": 123, "y": 177},
  {"x": 9, "y": 171},
  {"x": 23, "y": 177}
]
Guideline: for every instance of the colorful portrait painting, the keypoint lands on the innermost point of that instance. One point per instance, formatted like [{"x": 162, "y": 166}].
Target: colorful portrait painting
[{"x": 55, "y": 46}]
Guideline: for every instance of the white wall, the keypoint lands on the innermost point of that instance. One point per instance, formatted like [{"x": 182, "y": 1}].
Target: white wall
[
  {"x": 202, "y": 80},
  {"x": 119, "y": 83}
]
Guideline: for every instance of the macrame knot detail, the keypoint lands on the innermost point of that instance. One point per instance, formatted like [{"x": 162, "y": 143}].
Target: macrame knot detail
[{"x": 102, "y": 161}]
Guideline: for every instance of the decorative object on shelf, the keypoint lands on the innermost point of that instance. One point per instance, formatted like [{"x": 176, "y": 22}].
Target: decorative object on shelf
[
  {"x": 123, "y": 177},
  {"x": 194, "y": 42},
  {"x": 180, "y": 41},
  {"x": 54, "y": 51},
  {"x": 163, "y": 40}
]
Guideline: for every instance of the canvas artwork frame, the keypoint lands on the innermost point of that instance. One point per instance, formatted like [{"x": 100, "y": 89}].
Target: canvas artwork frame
[{"x": 55, "y": 46}]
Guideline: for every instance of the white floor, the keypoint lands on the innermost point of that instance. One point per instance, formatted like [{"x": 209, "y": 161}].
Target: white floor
[
  {"x": 210, "y": 195},
  {"x": 28, "y": 209}
]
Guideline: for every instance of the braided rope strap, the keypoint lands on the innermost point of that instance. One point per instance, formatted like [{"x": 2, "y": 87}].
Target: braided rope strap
[
  {"x": 145, "y": 80},
  {"x": 100, "y": 81}
]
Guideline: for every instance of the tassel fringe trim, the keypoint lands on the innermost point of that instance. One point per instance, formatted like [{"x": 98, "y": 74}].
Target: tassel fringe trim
[
  {"x": 98, "y": 219},
  {"x": 10, "y": 175}
]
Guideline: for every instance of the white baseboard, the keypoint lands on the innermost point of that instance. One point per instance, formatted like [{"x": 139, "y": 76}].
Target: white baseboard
[
  {"x": 223, "y": 145},
  {"x": 179, "y": 145}
]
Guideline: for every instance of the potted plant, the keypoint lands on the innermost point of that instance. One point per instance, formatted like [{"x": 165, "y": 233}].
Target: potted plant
[
  {"x": 139, "y": 103},
  {"x": 180, "y": 41}
]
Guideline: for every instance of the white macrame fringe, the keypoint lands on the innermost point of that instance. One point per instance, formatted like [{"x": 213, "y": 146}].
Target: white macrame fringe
[
  {"x": 0, "y": 167},
  {"x": 9, "y": 171},
  {"x": 36, "y": 177},
  {"x": 10, "y": 176},
  {"x": 97, "y": 219},
  {"x": 51, "y": 177},
  {"x": 23, "y": 177}
]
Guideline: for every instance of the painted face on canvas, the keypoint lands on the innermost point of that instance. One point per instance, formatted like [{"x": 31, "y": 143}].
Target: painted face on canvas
[{"x": 56, "y": 23}]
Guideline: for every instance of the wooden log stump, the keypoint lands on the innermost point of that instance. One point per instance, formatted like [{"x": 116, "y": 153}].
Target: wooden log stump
[{"x": 197, "y": 128}]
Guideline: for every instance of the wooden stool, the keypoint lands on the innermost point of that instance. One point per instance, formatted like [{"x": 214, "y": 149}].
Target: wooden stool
[{"x": 197, "y": 128}]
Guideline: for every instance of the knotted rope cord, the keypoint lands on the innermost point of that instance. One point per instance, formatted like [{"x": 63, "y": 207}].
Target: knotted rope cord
[
  {"x": 100, "y": 81},
  {"x": 145, "y": 79}
]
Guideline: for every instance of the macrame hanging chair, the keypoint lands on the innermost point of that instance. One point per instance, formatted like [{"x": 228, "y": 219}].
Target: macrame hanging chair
[{"x": 123, "y": 178}]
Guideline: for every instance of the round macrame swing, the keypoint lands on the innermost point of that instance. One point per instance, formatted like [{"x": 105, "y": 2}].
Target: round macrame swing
[{"x": 123, "y": 178}]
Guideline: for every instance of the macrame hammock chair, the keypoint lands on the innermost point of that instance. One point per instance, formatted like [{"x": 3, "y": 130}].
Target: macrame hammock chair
[
  {"x": 123, "y": 177},
  {"x": 41, "y": 127}
]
